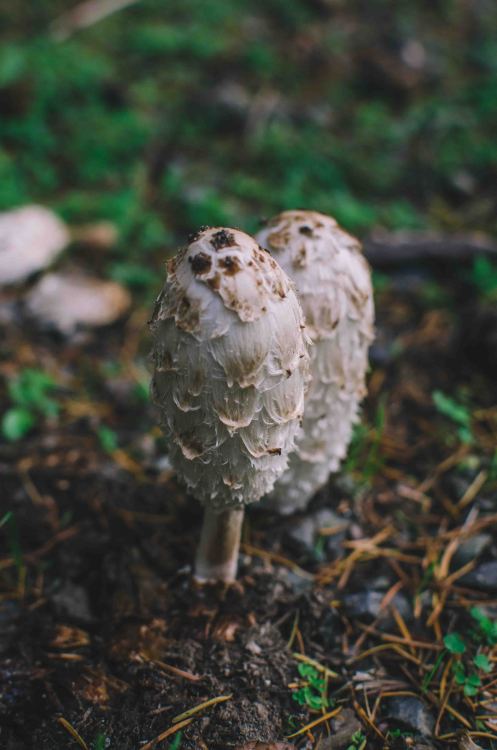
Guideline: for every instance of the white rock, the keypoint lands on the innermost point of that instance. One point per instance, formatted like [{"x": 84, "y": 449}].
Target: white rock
[
  {"x": 231, "y": 366},
  {"x": 31, "y": 237},
  {"x": 67, "y": 301},
  {"x": 333, "y": 283}
]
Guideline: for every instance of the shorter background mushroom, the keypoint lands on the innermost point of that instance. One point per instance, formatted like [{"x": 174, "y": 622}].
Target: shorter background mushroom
[
  {"x": 333, "y": 282},
  {"x": 31, "y": 238},
  {"x": 231, "y": 366},
  {"x": 71, "y": 299}
]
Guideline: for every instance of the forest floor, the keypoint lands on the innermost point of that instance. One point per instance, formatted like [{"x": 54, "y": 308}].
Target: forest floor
[{"x": 370, "y": 619}]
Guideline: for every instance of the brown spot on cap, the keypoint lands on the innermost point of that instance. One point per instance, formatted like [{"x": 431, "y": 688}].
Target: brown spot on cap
[
  {"x": 306, "y": 230},
  {"x": 200, "y": 263},
  {"x": 214, "y": 283},
  {"x": 230, "y": 264},
  {"x": 222, "y": 239},
  {"x": 274, "y": 451}
]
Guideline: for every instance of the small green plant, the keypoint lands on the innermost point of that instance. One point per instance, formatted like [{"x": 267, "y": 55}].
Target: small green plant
[
  {"x": 395, "y": 734},
  {"x": 100, "y": 742},
  {"x": 484, "y": 277},
  {"x": 176, "y": 742},
  {"x": 454, "y": 643},
  {"x": 107, "y": 438},
  {"x": 456, "y": 412},
  {"x": 313, "y": 688},
  {"x": 464, "y": 674},
  {"x": 357, "y": 741},
  {"x": 31, "y": 397},
  {"x": 470, "y": 682},
  {"x": 469, "y": 661},
  {"x": 133, "y": 275},
  {"x": 486, "y": 628},
  {"x": 365, "y": 449}
]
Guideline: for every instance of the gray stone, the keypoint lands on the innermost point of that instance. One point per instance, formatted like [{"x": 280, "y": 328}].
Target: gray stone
[
  {"x": 484, "y": 577},
  {"x": 470, "y": 549},
  {"x": 410, "y": 713},
  {"x": 304, "y": 532},
  {"x": 366, "y": 605},
  {"x": 344, "y": 726},
  {"x": 72, "y": 601}
]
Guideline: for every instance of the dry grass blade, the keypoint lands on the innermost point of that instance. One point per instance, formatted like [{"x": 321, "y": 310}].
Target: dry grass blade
[
  {"x": 315, "y": 723},
  {"x": 315, "y": 664},
  {"x": 179, "y": 672},
  {"x": 164, "y": 735},
  {"x": 74, "y": 734},
  {"x": 201, "y": 707},
  {"x": 364, "y": 716},
  {"x": 473, "y": 490},
  {"x": 274, "y": 557},
  {"x": 385, "y": 647}
]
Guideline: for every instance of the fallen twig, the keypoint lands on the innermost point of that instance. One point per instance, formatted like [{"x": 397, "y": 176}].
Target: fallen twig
[{"x": 397, "y": 248}]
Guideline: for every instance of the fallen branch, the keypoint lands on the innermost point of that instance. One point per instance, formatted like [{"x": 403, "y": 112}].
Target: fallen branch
[{"x": 397, "y": 248}]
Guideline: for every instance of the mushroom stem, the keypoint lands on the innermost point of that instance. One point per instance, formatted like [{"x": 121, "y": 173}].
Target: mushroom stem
[{"x": 217, "y": 554}]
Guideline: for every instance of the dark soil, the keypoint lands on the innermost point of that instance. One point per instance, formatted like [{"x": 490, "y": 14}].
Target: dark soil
[{"x": 101, "y": 626}]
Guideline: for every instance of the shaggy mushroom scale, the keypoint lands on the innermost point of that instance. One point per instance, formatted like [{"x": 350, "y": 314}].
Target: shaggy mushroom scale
[
  {"x": 333, "y": 283},
  {"x": 231, "y": 367}
]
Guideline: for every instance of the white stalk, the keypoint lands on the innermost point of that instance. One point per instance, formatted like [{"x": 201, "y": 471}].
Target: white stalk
[{"x": 217, "y": 553}]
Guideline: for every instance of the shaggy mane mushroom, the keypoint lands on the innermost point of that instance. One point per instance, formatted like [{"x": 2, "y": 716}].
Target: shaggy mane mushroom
[
  {"x": 231, "y": 367},
  {"x": 333, "y": 282}
]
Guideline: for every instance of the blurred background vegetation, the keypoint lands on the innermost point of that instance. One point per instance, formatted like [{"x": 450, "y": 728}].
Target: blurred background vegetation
[{"x": 169, "y": 115}]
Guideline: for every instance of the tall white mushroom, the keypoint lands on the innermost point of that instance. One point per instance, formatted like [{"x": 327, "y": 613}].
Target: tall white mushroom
[
  {"x": 231, "y": 367},
  {"x": 333, "y": 283}
]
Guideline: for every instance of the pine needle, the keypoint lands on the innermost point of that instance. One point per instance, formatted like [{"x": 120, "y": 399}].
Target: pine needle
[
  {"x": 74, "y": 734},
  {"x": 313, "y": 724},
  {"x": 172, "y": 730},
  {"x": 200, "y": 707}
]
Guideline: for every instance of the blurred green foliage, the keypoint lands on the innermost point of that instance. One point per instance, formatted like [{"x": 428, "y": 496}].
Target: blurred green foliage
[
  {"x": 165, "y": 116},
  {"x": 30, "y": 394}
]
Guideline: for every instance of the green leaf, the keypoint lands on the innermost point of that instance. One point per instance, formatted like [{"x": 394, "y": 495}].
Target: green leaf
[
  {"x": 459, "y": 672},
  {"x": 108, "y": 439},
  {"x": 133, "y": 275},
  {"x": 487, "y": 626},
  {"x": 469, "y": 690},
  {"x": 477, "y": 614},
  {"x": 313, "y": 700},
  {"x": 307, "y": 670},
  {"x": 176, "y": 742},
  {"x": 317, "y": 682},
  {"x": 454, "y": 643},
  {"x": 99, "y": 743},
  {"x": 16, "y": 423},
  {"x": 30, "y": 391},
  {"x": 451, "y": 409},
  {"x": 299, "y": 697},
  {"x": 481, "y": 661},
  {"x": 474, "y": 680}
]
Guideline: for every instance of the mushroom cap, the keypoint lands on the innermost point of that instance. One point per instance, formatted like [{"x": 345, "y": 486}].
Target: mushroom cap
[
  {"x": 333, "y": 282},
  {"x": 71, "y": 299},
  {"x": 231, "y": 367},
  {"x": 30, "y": 239}
]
